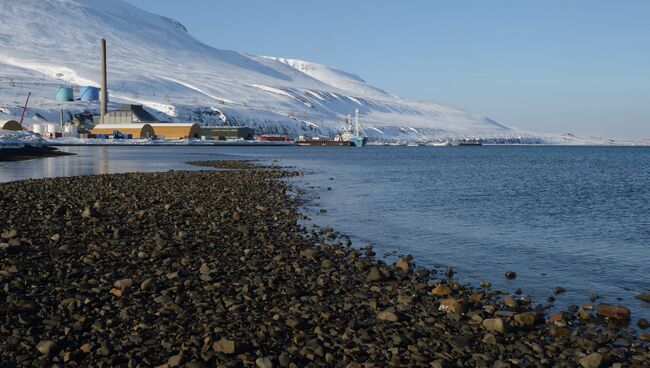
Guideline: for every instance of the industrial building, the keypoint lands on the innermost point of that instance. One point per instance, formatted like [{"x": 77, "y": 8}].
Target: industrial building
[
  {"x": 227, "y": 132},
  {"x": 136, "y": 130},
  {"x": 176, "y": 130},
  {"x": 10, "y": 125},
  {"x": 128, "y": 114}
]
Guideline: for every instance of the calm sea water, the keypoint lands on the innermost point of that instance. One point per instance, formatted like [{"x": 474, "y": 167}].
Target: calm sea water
[{"x": 575, "y": 217}]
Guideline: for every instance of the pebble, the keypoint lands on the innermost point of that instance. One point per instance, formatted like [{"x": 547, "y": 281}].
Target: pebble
[
  {"x": 264, "y": 362},
  {"x": 46, "y": 346},
  {"x": 511, "y": 275},
  {"x": 225, "y": 346},
  {"x": 10, "y": 234},
  {"x": 452, "y": 305},
  {"x": 489, "y": 339},
  {"x": 175, "y": 360},
  {"x": 123, "y": 284},
  {"x": 309, "y": 253},
  {"x": 643, "y": 323},
  {"x": 388, "y": 315},
  {"x": 90, "y": 212}
]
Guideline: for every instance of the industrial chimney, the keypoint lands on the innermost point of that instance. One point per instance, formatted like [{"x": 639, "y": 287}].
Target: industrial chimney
[{"x": 103, "y": 97}]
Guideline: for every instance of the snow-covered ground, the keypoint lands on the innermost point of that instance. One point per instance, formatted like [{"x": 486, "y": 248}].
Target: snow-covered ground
[
  {"x": 154, "y": 61},
  {"x": 13, "y": 139}
]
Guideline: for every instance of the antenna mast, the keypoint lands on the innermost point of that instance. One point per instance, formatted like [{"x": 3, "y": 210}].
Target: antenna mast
[{"x": 356, "y": 122}]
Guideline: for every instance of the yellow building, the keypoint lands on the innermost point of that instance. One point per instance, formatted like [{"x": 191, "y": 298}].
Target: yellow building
[
  {"x": 176, "y": 130},
  {"x": 10, "y": 125},
  {"x": 137, "y": 130}
]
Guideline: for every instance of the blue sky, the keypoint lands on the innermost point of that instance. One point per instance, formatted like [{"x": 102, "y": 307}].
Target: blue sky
[{"x": 580, "y": 66}]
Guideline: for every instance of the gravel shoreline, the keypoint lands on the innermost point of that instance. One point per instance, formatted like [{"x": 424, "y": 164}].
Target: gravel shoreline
[{"x": 213, "y": 269}]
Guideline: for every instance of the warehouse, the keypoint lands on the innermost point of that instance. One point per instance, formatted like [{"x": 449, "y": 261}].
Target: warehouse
[
  {"x": 128, "y": 114},
  {"x": 228, "y": 132},
  {"x": 176, "y": 130},
  {"x": 10, "y": 125},
  {"x": 136, "y": 130}
]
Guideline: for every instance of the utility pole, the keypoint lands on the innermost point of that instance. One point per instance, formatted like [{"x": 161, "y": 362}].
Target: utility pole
[
  {"x": 103, "y": 94},
  {"x": 22, "y": 116}
]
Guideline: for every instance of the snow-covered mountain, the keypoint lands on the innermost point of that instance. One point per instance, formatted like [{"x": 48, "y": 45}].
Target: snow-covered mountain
[{"x": 153, "y": 60}]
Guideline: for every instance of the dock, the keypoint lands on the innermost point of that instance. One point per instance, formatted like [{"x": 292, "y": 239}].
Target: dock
[{"x": 324, "y": 143}]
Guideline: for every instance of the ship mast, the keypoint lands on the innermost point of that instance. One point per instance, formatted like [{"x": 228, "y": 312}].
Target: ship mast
[{"x": 356, "y": 122}]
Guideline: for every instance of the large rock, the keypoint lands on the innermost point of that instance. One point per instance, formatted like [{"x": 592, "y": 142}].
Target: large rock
[
  {"x": 510, "y": 302},
  {"x": 227, "y": 346},
  {"x": 123, "y": 284},
  {"x": 375, "y": 275},
  {"x": 495, "y": 324},
  {"x": 441, "y": 290},
  {"x": 452, "y": 305},
  {"x": 404, "y": 264},
  {"x": 613, "y": 312},
  {"x": 593, "y": 360},
  {"x": 46, "y": 347},
  {"x": 644, "y": 297},
  {"x": 527, "y": 319}
]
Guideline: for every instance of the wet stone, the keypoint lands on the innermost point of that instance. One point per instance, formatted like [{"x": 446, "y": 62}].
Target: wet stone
[
  {"x": 644, "y": 297},
  {"x": 613, "y": 311}
]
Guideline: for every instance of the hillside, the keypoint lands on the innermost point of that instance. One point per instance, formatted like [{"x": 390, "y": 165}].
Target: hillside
[{"x": 154, "y": 61}]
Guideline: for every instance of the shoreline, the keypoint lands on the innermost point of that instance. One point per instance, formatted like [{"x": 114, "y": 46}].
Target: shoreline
[
  {"x": 205, "y": 267},
  {"x": 30, "y": 152}
]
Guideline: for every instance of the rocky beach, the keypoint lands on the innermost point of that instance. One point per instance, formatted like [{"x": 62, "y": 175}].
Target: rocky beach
[{"x": 218, "y": 268}]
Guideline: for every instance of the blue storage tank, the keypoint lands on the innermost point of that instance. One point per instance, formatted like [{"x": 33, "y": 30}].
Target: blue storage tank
[
  {"x": 89, "y": 94},
  {"x": 64, "y": 94}
]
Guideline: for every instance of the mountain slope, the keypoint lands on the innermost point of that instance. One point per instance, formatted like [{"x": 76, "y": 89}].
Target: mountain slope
[{"x": 153, "y": 60}]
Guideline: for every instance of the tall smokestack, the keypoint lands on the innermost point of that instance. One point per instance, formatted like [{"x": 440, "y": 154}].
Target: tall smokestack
[{"x": 103, "y": 96}]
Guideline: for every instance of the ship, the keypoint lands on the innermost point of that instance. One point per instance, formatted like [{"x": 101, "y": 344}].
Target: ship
[
  {"x": 357, "y": 137},
  {"x": 470, "y": 142},
  {"x": 440, "y": 144}
]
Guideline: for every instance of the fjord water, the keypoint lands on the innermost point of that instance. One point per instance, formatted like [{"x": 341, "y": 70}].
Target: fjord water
[{"x": 574, "y": 217}]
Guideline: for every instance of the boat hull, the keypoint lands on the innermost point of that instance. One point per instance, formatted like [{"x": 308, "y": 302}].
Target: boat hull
[{"x": 358, "y": 141}]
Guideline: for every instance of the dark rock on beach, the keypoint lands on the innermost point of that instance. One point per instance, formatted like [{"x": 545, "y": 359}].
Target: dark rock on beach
[{"x": 216, "y": 268}]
